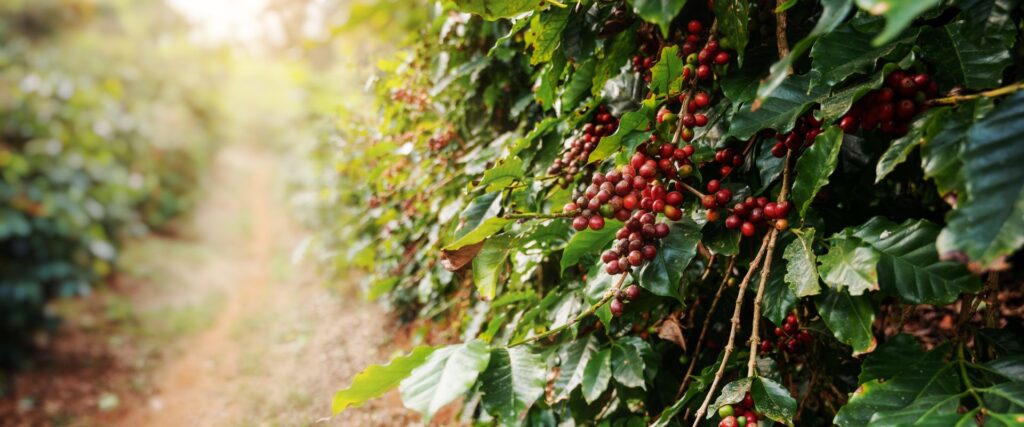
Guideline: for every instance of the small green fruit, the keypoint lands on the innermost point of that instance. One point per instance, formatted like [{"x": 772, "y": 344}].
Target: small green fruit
[{"x": 725, "y": 411}]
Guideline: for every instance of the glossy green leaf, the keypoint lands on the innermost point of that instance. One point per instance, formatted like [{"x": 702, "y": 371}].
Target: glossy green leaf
[
  {"x": 814, "y": 167},
  {"x": 574, "y": 357},
  {"x": 588, "y": 242},
  {"x": 596, "y": 375},
  {"x": 545, "y": 32},
  {"x": 898, "y": 15},
  {"x": 489, "y": 263},
  {"x": 732, "y": 393},
  {"x": 962, "y": 60},
  {"x": 779, "y": 299},
  {"x": 497, "y": 9},
  {"x": 891, "y": 358},
  {"x": 773, "y": 400},
  {"x": 579, "y": 85},
  {"x": 665, "y": 73},
  {"x": 659, "y": 12},
  {"x": 628, "y": 361},
  {"x": 631, "y": 123},
  {"x": 922, "y": 129},
  {"x": 616, "y": 55},
  {"x": 486, "y": 229},
  {"x": 990, "y": 223},
  {"x": 802, "y": 263},
  {"x": 375, "y": 380},
  {"x": 514, "y": 380},
  {"x": 447, "y": 374},
  {"x": 832, "y": 14},
  {"x": 503, "y": 174},
  {"x": 663, "y": 275},
  {"x": 777, "y": 111},
  {"x": 849, "y": 317},
  {"x": 733, "y": 18},
  {"x": 847, "y": 51},
  {"x": 942, "y": 155}
]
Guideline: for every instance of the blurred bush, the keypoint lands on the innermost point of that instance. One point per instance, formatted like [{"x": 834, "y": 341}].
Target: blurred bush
[{"x": 107, "y": 116}]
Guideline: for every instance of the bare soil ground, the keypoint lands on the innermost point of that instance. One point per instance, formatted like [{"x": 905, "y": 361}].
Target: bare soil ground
[{"x": 218, "y": 327}]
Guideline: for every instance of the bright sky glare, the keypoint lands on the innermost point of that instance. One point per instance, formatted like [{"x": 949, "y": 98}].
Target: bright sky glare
[{"x": 228, "y": 20}]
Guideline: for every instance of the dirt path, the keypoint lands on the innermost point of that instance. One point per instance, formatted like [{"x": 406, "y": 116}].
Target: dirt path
[{"x": 281, "y": 342}]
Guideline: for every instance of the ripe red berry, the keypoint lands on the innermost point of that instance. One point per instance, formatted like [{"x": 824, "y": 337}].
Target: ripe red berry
[
  {"x": 687, "y": 134},
  {"x": 580, "y": 223},
  {"x": 779, "y": 150},
  {"x": 732, "y": 221},
  {"x": 848, "y": 124},
  {"x": 700, "y": 120},
  {"x": 694, "y": 26},
  {"x": 673, "y": 213},
  {"x": 907, "y": 87},
  {"x": 632, "y": 292},
  {"x": 703, "y": 72},
  {"x": 723, "y": 196},
  {"x": 905, "y": 109},
  {"x": 596, "y": 222},
  {"x": 701, "y": 99},
  {"x": 722, "y": 58},
  {"x": 713, "y": 186},
  {"x": 617, "y": 307},
  {"x": 782, "y": 208},
  {"x": 649, "y": 252},
  {"x": 766, "y": 346},
  {"x": 747, "y": 229},
  {"x": 708, "y": 201},
  {"x": 729, "y": 421},
  {"x": 770, "y": 210},
  {"x": 661, "y": 230}
]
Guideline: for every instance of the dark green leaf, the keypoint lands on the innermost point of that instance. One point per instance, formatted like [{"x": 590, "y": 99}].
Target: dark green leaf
[
  {"x": 963, "y": 61},
  {"x": 628, "y": 361},
  {"x": 662, "y": 275},
  {"x": 502, "y": 174},
  {"x": 898, "y": 14},
  {"x": 814, "y": 166},
  {"x": 631, "y": 123},
  {"x": 659, "y": 12},
  {"x": 733, "y": 18},
  {"x": 990, "y": 223},
  {"x": 773, "y": 400},
  {"x": 922, "y": 129},
  {"x": 731, "y": 394},
  {"x": 578, "y": 86},
  {"x": 942, "y": 155},
  {"x": 847, "y": 51},
  {"x": 777, "y": 111},
  {"x": 596, "y": 375},
  {"x": 849, "y": 317},
  {"x": 514, "y": 379},
  {"x": 574, "y": 357},
  {"x": 588, "y": 242},
  {"x": 616, "y": 54},
  {"x": 489, "y": 263}
]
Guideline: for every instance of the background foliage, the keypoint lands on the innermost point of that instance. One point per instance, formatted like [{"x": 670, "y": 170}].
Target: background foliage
[
  {"x": 101, "y": 138},
  {"x": 459, "y": 223}
]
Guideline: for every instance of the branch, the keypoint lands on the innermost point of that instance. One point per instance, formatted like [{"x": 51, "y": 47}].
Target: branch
[
  {"x": 538, "y": 215},
  {"x": 695, "y": 191},
  {"x": 704, "y": 327},
  {"x": 732, "y": 331},
  {"x": 608, "y": 295},
  {"x": 746, "y": 151},
  {"x": 780, "y": 33},
  {"x": 556, "y": 3},
  {"x": 956, "y": 99},
  {"x": 755, "y": 334}
]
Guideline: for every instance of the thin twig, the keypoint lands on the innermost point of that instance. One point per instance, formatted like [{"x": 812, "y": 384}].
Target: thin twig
[
  {"x": 692, "y": 190},
  {"x": 557, "y": 3},
  {"x": 705, "y": 326},
  {"x": 746, "y": 151},
  {"x": 755, "y": 334},
  {"x": 608, "y": 295},
  {"x": 538, "y": 215},
  {"x": 732, "y": 331},
  {"x": 707, "y": 270},
  {"x": 956, "y": 99},
  {"x": 780, "y": 33}
]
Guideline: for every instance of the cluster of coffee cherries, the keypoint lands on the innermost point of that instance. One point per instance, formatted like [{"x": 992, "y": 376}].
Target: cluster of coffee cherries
[
  {"x": 728, "y": 158},
  {"x": 635, "y": 243},
  {"x": 416, "y": 99},
  {"x": 741, "y": 414},
  {"x": 892, "y": 107},
  {"x": 642, "y": 65},
  {"x": 691, "y": 118},
  {"x": 752, "y": 213},
  {"x": 441, "y": 139},
  {"x": 704, "y": 57},
  {"x": 792, "y": 339},
  {"x": 618, "y": 305},
  {"x": 804, "y": 131},
  {"x": 578, "y": 152}
]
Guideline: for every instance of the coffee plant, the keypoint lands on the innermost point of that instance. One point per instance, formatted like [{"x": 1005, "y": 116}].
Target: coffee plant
[
  {"x": 722, "y": 212},
  {"x": 100, "y": 139}
]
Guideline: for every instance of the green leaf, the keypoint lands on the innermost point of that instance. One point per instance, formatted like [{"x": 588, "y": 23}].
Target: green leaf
[
  {"x": 588, "y": 242},
  {"x": 496, "y": 9},
  {"x": 545, "y": 33},
  {"x": 633, "y": 123},
  {"x": 832, "y": 14},
  {"x": 596, "y": 375},
  {"x": 779, "y": 299},
  {"x": 502, "y": 174},
  {"x": 849, "y": 317},
  {"x": 1006, "y": 397},
  {"x": 660, "y": 12},
  {"x": 574, "y": 357},
  {"x": 961, "y": 60},
  {"x": 990, "y": 223},
  {"x": 922, "y": 129},
  {"x": 891, "y": 358},
  {"x": 773, "y": 400},
  {"x": 579, "y": 85},
  {"x": 481, "y": 232},
  {"x": 849, "y": 264},
  {"x": 448, "y": 373},
  {"x": 663, "y": 275},
  {"x": 489, "y": 263},
  {"x": 814, "y": 166},
  {"x": 919, "y": 380},
  {"x": 802, "y": 263},
  {"x": 375, "y": 380},
  {"x": 848, "y": 51},
  {"x": 898, "y": 14},
  {"x": 628, "y": 361},
  {"x": 514, "y": 380},
  {"x": 480, "y": 208},
  {"x": 616, "y": 54},
  {"x": 939, "y": 405},
  {"x": 733, "y": 18},
  {"x": 665, "y": 73},
  {"x": 669, "y": 414},
  {"x": 731, "y": 394},
  {"x": 841, "y": 100},
  {"x": 942, "y": 155},
  {"x": 777, "y": 111}
]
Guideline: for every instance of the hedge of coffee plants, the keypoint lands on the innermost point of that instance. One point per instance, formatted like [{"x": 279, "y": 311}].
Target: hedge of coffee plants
[
  {"x": 721, "y": 212},
  {"x": 100, "y": 139}
]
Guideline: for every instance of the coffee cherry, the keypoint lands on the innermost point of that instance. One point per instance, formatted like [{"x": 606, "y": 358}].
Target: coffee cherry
[
  {"x": 711, "y": 215},
  {"x": 713, "y": 186},
  {"x": 649, "y": 252},
  {"x": 617, "y": 307},
  {"x": 635, "y": 258},
  {"x": 729, "y": 421},
  {"x": 766, "y": 346},
  {"x": 848, "y": 124},
  {"x": 708, "y": 201},
  {"x": 632, "y": 292},
  {"x": 596, "y": 222},
  {"x": 700, "y": 120},
  {"x": 580, "y": 223},
  {"x": 732, "y": 221},
  {"x": 694, "y": 26},
  {"x": 673, "y": 213},
  {"x": 748, "y": 401},
  {"x": 725, "y": 411},
  {"x": 781, "y": 224},
  {"x": 723, "y": 196},
  {"x": 747, "y": 229},
  {"x": 722, "y": 58},
  {"x": 703, "y": 72},
  {"x": 701, "y": 99}
]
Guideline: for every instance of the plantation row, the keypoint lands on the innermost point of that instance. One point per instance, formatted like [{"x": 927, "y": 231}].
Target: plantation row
[
  {"x": 101, "y": 138},
  {"x": 660, "y": 212}
]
